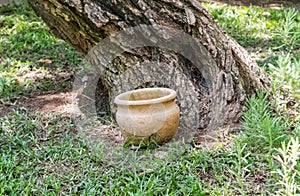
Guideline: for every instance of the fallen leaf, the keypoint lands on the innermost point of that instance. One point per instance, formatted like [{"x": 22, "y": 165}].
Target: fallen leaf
[{"x": 47, "y": 61}]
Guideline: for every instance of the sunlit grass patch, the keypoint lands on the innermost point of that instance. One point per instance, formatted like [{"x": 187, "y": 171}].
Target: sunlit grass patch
[
  {"x": 19, "y": 78},
  {"x": 255, "y": 26},
  {"x": 30, "y": 56},
  {"x": 250, "y": 26},
  {"x": 26, "y": 37},
  {"x": 11, "y": 86}
]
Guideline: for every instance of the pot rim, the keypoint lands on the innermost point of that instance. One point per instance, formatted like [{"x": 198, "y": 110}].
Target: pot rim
[{"x": 170, "y": 96}]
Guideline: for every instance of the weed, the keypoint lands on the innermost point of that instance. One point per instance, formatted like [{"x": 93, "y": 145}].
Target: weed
[
  {"x": 287, "y": 74},
  {"x": 262, "y": 131},
  {"x": 288, "y": 157},
  {"x": 289, "y": 31},
  {"x": 240, "y": 165}
]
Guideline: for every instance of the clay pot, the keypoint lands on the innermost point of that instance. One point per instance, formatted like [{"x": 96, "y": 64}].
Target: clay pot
[{"x": 149, "y": 113}]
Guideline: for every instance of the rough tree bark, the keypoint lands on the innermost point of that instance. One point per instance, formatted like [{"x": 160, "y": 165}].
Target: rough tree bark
[{"x": 213, "y": 100}]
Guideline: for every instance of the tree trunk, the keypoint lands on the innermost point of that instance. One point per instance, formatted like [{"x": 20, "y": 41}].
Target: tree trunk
[{"x": 170, "y": 43}]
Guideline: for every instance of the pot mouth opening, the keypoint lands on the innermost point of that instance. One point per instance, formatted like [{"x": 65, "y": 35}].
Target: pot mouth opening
[{"x": 145, "y": 96}]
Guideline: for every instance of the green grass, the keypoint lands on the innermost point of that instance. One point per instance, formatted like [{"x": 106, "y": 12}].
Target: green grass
[
  {"x": 44, "y": 154},
  {"x": 25, "y": 37},
  {"x": 258, "y": 27},
  {"x": 265, "y": 32},
  {"x": 47, "y": 158},
  {"x": 25, "y": 41}
]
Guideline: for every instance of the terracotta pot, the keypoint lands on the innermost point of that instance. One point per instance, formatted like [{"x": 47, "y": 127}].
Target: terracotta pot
[{"x": 149, "y": 113}]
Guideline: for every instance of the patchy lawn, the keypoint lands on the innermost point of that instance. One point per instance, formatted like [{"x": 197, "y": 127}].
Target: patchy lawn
[{"x": 43, "y": 152}]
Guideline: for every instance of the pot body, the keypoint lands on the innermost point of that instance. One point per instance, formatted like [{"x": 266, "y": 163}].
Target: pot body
[{"x": 146, "y": 114}]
